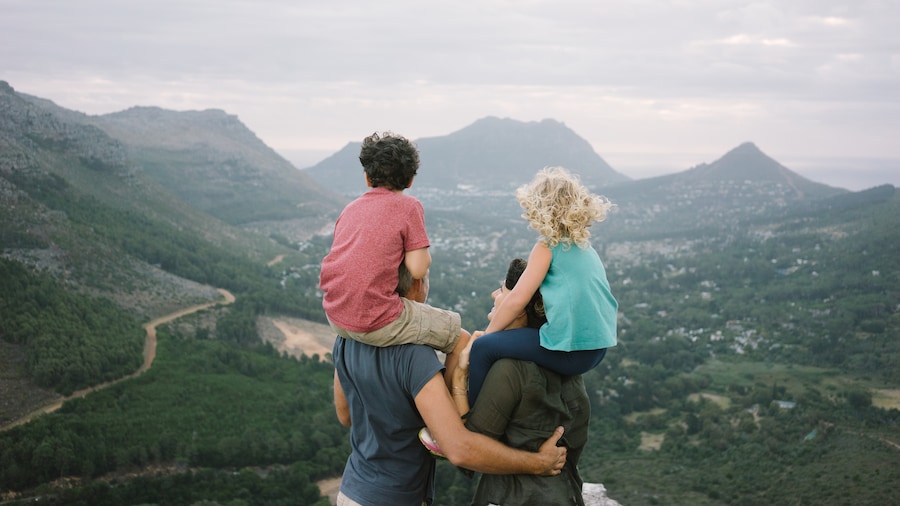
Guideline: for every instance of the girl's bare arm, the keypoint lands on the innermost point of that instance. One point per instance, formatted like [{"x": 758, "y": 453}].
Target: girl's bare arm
[{"x": 529, "y": 283}]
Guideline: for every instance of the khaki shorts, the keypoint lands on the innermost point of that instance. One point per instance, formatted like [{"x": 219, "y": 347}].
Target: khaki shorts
[
  {"x": 417, "y": 324},
  {"x": 343, "y": 500}
]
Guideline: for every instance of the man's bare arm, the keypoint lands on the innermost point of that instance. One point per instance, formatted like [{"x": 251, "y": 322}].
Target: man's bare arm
[
  {"x": 478, "y": 452},
  {"x": 341, "y": 407}
]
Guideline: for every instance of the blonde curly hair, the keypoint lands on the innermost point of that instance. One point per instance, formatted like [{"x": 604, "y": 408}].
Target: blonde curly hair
[{"x": 560, "y": 208}]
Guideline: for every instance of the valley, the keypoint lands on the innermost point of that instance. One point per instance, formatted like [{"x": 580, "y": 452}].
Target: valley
[{"x": 759, "y": 328}]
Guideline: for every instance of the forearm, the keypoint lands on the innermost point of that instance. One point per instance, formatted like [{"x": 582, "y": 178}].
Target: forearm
[
  {"x": 482, "y": 454},
  {"x": 478, "y": 452},
  {"x": 520, "y": 295},
  {"x": 507, "y": 312},
  {"x": 459, "y": 390}
]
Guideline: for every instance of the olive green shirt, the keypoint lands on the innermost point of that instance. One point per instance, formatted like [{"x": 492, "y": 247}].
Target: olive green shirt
[{"x": 520, "y": 405}]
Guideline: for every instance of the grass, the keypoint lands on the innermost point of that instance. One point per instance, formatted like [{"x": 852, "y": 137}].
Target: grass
[{"x": 795, "y": 378}]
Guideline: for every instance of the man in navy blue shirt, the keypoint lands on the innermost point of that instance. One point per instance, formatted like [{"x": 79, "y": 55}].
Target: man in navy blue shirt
[{"x": 385, "y": 395}]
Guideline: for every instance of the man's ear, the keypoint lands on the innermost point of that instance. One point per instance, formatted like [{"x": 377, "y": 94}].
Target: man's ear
[
  {"x": 411, "y": 181},
  {"x": 368, "y": 183}
]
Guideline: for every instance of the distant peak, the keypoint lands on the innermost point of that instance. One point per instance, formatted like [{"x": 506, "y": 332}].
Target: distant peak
[
  {"x": 495, "y": 120},
  {"x": 745, "y": 151},
  {"x": 747, "y": 147},
  {"x": 158, "y": 112}
]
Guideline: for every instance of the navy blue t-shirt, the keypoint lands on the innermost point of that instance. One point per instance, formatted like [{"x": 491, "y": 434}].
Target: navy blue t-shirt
[{"x": 387, "y": 463}]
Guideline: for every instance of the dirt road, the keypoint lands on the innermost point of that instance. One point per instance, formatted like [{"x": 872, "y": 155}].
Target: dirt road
[{"x": 149, "y": 356}]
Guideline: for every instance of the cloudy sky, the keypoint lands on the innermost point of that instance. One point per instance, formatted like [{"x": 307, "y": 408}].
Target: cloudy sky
[{"x": 655, "y": 86}]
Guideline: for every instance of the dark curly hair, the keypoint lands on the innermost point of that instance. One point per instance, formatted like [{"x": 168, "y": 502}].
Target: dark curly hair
[
  {"x": 390, "y": 160},
  {"x": 535, "y": 307}
]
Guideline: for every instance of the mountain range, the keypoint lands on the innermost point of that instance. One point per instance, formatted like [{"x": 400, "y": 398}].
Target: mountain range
[
  {"x": 147, "y": 210},
  {"x": 206, "y": 174}
]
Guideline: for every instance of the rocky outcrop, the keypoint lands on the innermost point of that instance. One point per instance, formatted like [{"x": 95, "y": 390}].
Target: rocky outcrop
[{"x": 595, "y": 495}]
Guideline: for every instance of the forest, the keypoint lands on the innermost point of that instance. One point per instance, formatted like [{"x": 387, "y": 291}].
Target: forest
[
  {"x": 204, "y": 405},
  {"x": 71, "y": 342},
  {"x": 754, "y": 367}
]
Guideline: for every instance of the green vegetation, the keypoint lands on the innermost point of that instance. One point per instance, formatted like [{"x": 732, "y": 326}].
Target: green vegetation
[
  {"x": 759, "y": 359},
  {"x": 72, "y": 341},
  {"x": 242, "y": 196},
  {"x": 747, "y": 365},
  {"x": 279, "y": 486},
  {"x": 745, "y": 374},
  {"x": 204, "y": 404}
]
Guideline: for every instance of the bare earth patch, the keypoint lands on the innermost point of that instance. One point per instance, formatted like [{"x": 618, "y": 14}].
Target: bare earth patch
[
  {"x": 297, "y": 337},
  {"x": 651, "y": 442},
  {"x": 330, "y": 488},
  {"x": 886, "y": 399}
]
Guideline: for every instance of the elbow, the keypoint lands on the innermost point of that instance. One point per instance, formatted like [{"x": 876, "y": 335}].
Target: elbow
[
  {"x": 462, "y": 455},
  {"x": 343, "y": 415},
  {"x": 419, "y": 271},
  {"x": 458, "y": 460},
  {"x": 418, "y": 262}
]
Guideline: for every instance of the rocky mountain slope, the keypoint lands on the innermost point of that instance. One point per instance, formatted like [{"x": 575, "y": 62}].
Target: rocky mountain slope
[
  {"x": 72, "y": 200},
  {"x": 211, "y": 160}
]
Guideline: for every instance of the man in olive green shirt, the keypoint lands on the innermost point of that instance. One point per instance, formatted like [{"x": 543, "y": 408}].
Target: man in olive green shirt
[{"x": 518, "y": 404}]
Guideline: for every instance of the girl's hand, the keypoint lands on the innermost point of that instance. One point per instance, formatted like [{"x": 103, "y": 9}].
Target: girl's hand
[{"x": 462, "y": 364}]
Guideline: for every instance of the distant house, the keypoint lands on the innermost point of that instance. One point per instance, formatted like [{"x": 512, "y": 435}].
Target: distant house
[{"x": 786, "y": 404}]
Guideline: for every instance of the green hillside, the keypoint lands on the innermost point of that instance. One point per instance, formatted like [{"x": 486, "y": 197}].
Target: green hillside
[{"x": 759, "y": 332}]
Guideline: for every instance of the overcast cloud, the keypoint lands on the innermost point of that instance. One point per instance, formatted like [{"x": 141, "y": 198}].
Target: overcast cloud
[{"x": 655, "y": 86}]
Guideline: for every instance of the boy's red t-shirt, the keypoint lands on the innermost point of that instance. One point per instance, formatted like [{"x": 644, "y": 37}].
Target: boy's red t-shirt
[{"x": 359, "y": 274}]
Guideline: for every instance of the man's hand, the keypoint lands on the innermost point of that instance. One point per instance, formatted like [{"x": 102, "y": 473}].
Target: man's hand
[{"x": 553, "y": 457}]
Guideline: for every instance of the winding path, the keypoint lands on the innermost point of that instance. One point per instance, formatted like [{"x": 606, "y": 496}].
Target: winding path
[{"x": 149, "y": 356}]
